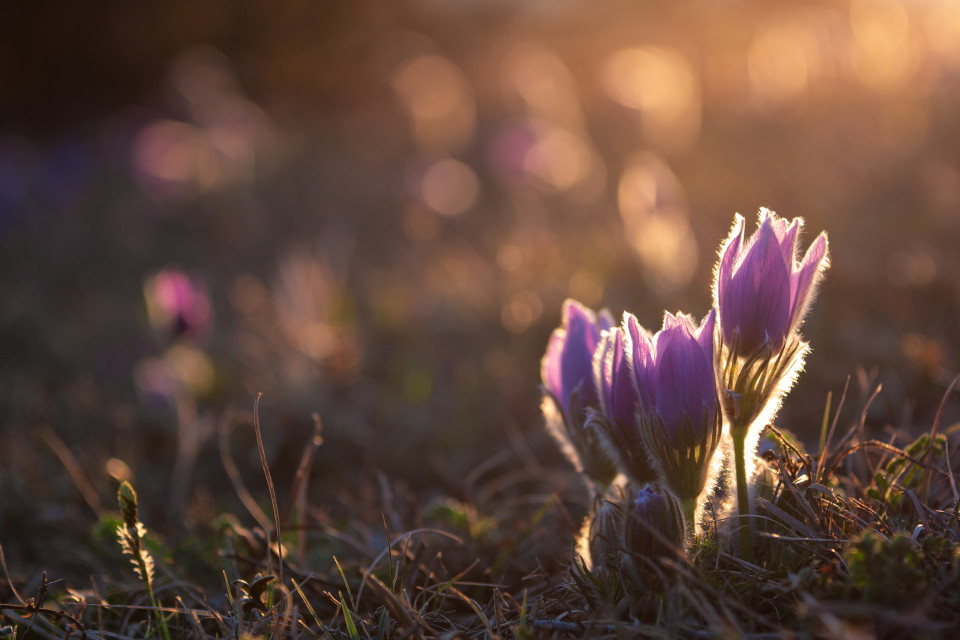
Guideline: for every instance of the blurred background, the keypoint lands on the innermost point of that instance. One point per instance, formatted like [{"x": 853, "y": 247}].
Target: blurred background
[{"x": 374, "y": 210}]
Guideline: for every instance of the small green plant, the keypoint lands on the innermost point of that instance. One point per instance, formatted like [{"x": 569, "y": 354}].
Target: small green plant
[{"x": 131, "y": 533}]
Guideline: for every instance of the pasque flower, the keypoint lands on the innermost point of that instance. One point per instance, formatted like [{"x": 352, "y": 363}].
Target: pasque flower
[
  {"x": 680, "y": 415},
  {"x": 617, "y": 421},
  {"x": 762, "y": 290},
  {"x": 630, "y": 526},
  {"x": 653, "y": 524},
  {"x": 569, "y": 389}
]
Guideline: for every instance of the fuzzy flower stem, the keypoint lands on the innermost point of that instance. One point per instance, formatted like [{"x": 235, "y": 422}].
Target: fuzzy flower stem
[
  {"x": 739, "y": 434},
  {"x": 689, "y": 508}
]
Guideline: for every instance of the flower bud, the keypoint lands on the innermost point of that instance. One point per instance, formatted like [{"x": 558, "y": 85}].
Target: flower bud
[
  {"x": 617, "y": 420},
  {"x": 605, "y": 534},
  {"x": 762, "y": 291},
  {"x": 653, "y": 524},
  {"x": 679, "y": 411},
  {"x": 570, "y": 392}
]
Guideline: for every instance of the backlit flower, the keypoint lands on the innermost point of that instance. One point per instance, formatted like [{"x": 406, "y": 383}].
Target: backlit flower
[
  {"x": 680, "y": 417},
  {"x": 569, "y": 389},
  {"x": 653, "y": 524},
  {"x": 567, "y": 366},
  {"x": 619, "y": 403},
  {"x": 762, "y": 291}
]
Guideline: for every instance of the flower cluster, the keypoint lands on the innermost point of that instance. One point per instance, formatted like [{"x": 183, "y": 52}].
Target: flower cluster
[{"x": 642, "y": 415}]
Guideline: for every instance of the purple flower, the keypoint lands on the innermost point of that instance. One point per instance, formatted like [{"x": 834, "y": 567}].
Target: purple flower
[
  {"x": 570, "y": 394},
  {"x": 674, "y": 375},
  {"x": 679, "y": 408},
  {"x": 614, "y": 380},
  {"x": 567, "y": 366},
  {"x": 653, "y": 524},
  {"x": 762, "y": 292},
  {"x": 619, "y": 402},
  {"x": 178, "y": 304}
]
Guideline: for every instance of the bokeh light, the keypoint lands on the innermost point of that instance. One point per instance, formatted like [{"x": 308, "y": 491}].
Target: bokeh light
[
  {"x": 377, "y": 212},
  {"x": 656, "y": 223},
  {"x": 661, "y": 85}
]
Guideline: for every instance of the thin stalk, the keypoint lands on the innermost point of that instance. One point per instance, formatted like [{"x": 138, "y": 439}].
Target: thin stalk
[
  {"x": 689, "y": 508},
  {"x": 743, "y": 497}
]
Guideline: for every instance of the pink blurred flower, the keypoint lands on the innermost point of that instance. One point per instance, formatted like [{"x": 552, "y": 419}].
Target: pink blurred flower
[{"x": 178, "y": 304}]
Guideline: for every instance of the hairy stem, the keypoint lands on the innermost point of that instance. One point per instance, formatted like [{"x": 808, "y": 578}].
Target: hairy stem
[
  {"x": 689, "y": 508},
  {"x": 743, "y": 498}
]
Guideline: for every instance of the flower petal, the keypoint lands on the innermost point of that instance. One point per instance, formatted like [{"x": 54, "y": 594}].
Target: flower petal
[
  {"x": 729, "y": 253},
  {"x": 550, "y": 372},
  {"x": 685, "y": 379},
  {"x": 705, "y": 333},
  {"x": 807, "y": 277},
  {"x": 604, "y": 320},
  {"x": 623, "y": 392},
  {"x": 757, "y": 302},
  {"x": 639, "y": 349},
  {"x": 577, "y": 358}
]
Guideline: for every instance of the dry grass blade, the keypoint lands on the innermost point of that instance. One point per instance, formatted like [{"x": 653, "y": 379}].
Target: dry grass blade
[
  {"x": 230, "y": 466},
  {"x": 406, "y": 615},
  {"x": 934, "y": 430},
  {"x": 270, "y": 487},
  {"x": 74, "y": 470}
]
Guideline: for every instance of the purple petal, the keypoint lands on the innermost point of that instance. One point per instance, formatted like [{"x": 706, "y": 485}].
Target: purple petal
[
  {"x": 728, "y": 255},
  {"x": 577, "y": 358},
  {"x": 757, "y": 301},
  {"x": 623, "y": 393},
  {"x": 640, "y": 359},
  {"x": 788, "y": 241},
  {"x": 550, "y": 373},
  {"x": 804, "y": 279},
  {"x": 786, "y": 233},
  {"x": 685, "y": 379},
  {"x": 603, "y": 371},
  {"x": 605, "y": 320},
  {"x": 705, "y": 335}
]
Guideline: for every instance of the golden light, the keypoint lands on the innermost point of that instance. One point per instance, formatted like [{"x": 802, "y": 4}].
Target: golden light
[
  {"x": 439, "y": 100},
  {"x": 782, "y": 61},
  {"x": 560, "y": 158},
  {"x": 449, "y": 187},
  {"x": 653, "y": 210},
  {"x": 545, "y": 84},
  {"x": 882, "y": 53},
  {"x": 942, "y": 27},
  {"x": 661, "y": 84}
]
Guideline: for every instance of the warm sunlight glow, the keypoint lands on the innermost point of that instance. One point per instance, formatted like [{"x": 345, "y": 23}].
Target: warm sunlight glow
[
  {"x": 882, "y": 53},
  {"x": 560, "y": 158},
  {"x": 656, "y": 222},
  {"x": 449, "y": 187},
  {"x": 661, "y": 85},
  {"x": 439, "y": 100},
  {"x": 942, "y": 27},
  {"x": 544, "y": 83},
  {"x": 782, "y": 61}
]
